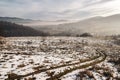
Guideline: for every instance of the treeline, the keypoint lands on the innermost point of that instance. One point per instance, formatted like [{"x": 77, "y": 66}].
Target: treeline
[
  {"x": 74, "y": 35},
  {"x": 8, "y": 29}
]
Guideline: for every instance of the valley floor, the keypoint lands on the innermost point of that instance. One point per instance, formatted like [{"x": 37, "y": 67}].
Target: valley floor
[{"x": 59, "y": 58}]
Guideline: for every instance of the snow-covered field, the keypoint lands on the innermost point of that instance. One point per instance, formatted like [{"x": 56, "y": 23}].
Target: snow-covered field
[{"x": 58, "y": 58}]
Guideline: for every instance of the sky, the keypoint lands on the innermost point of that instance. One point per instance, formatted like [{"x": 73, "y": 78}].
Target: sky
[{"x": 58, "y": 9}]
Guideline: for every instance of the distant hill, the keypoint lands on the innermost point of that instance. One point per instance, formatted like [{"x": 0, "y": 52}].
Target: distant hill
[
  {"x": 8, "y": 29},
  {"x": 15, "y": 20},
  {"x": 109, "y": 25},
  {"x": 30, "y": 22}
]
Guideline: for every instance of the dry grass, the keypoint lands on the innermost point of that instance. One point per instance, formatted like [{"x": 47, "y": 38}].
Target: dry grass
[
  {"x": 2, "y": 42},
  {"x": 21, "y": 65}
]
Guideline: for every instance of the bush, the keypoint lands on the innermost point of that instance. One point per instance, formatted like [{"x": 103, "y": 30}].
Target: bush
[
  {"x": 117, "y": 42},
  {"x": 21, "y": 65},
  {"x": 2, "y": 41},
  {"x": 12, "y": 76},
  {"x": 86, "y": 35}
]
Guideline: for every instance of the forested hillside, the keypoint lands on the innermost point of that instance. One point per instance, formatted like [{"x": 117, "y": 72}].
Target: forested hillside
[{"x": 9, "y": 29}]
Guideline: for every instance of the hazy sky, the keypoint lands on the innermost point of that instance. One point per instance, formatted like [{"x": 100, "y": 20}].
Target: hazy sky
[{"x": 58, "y": 9}]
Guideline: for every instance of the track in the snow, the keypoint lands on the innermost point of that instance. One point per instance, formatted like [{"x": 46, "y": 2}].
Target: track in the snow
[
  {"x": 57, "y": 76},
  {"x": 96, "y": 61}
]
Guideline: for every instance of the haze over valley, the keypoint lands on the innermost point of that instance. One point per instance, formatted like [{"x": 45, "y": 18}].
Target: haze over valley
[{"x": 96, "y": 25}]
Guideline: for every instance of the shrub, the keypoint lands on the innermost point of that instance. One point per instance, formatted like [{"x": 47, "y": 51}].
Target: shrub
[
  {"x": 12, "y": 76},
  {"x": 86, "y": 35},
  {"x": 2, "y": 41},
  {"x": 21, "y": 65},
  {"x": 117, "y": 42},
  {"x": 33, "y": 78}
]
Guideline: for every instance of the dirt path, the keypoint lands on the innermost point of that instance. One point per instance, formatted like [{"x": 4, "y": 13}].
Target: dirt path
[
  {"x": 96, "y": 61},
  {"x": 89, "y": 62}
]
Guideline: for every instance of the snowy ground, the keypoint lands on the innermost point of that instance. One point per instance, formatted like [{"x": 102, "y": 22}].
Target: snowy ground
[{"x": 41, "y": 58}]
